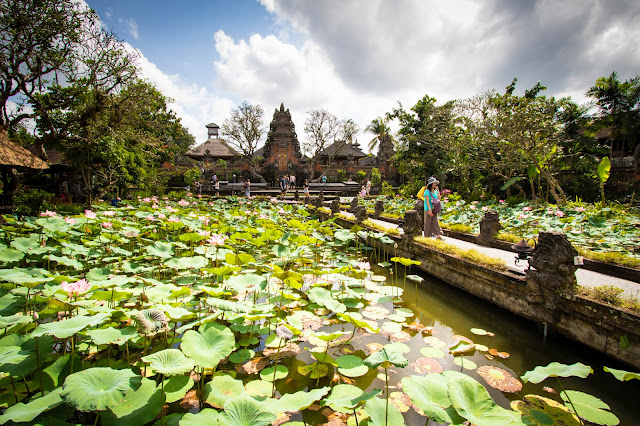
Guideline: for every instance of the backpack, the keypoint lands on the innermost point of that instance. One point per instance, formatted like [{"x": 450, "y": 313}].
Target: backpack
[{"x": 420, "y": 193}]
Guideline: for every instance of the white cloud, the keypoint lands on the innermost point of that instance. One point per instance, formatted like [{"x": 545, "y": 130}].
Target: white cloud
[{"x": 132, "y": 27}]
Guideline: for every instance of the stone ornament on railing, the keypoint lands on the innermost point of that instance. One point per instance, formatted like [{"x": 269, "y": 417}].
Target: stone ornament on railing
[
  {"x": 335, "y": 206},
  {"x": 379, "y": 208},
  {"x": 412, "y": 227},
  {"x": 354, "y": 205},
  {"x": 361, "y": 214},
  {"x": 489, "y": 227},
  {"x": 552, "y": 269}
]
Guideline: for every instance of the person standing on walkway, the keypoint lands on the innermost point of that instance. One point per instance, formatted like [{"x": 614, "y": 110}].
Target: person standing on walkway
[
  {"x": 305, "y": 187},
  {"x": 247, "y": 188},
  {"x": 283, "y": 187},
  {"x": 216, "y": 185},
  {"x": 368, "y": 186},
  {"x": 432, "y": 206},
  {"x": 292, "y": 181}
]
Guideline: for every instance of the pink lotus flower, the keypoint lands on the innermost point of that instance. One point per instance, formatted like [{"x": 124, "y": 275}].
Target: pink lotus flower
[
  {"x": 580, "y": 209},
  {"x": 107, "y": 225},
  {"x": 263, "y": 216},
  {"x": 474, "y": 202},
  {"x": 173, "y": 219},
  {"x": 161, "y": 216},
  {"x": 171, "y": 209},
  {"x": 155, "y": 206},
  {"x": 217, "y": 239},
  {"x": 89, "y": 214},
  {"x": 522, "y": 216},
  {"x": 472, "y": 207},
  {"x": 203, "y": 232},
  {"x": 48, "y": 213},
  {"x": 78, "y": 287},
  {"x": 151, "y": 218},
  {"x": 146, "y": 200},
  {"x": 364, "y": 266},
  {"x": 70, "y": 220},
  {"x": 527, "y": 209},
  {"x": 183, "y": 203},
  {"x": 501, "y": 201},
  {"x": 484, "y": 208},
  {"x": 108, "y": 213},
  {"x": 281, "y": 211},
  {"x": 559, "y": 213}
]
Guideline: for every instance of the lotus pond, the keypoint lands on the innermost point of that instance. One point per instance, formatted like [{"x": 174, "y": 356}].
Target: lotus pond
[{"x": 252, "y": 313}]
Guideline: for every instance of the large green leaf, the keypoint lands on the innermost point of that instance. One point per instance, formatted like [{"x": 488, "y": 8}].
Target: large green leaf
[
  {"x": 622, "y": 375},
  {"x": 589, "y": 408},
  {"x": 160, "y": 249},
  {"x": 341, "y": 397},
  {"x": 169, "y": 362},
  {"x": 376, "y": 408},
  {"x": 209, "y": 344},
  {"x": 604, "y": 169},
  {"x": 556, "y": 369},
  {"x": 244, "y": 281},
  {"x": 472, "y": 401},
  {"x": 323, "y": 297},
  {"x": 222, "y": 388},
  {"x": 68, "y": 327},
  {"x": 138, "y": 407},
  {"x": 9, "y": 255},
  {"x": 98, "y": 388},
  {"x": 176, "y": 387},
  {"x": 243, "y": 410},
  {"x": 386, "y": 358},
  {"x": 21, "y": 412},
  {"x": 351, "y": 366},
  {"x": 192, "y": 262},
  {"x": 110, "y": 335},
  {"x": 206, "y": 417},
  {"x": 18, "y": 353},
  {"x": 430, "y": 394},
  {"x": 294, "y": 402}
]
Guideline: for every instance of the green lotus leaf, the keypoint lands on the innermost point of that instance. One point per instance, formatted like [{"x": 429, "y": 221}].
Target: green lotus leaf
[
  {"x": 244, "y": 281},
  {"x": 386, "y": 358},
  {"x": 57, "y": 372},
  {"x": 341, "y": 397},
  {"x": 160, "y": 249},
  {"x": 25, "y": 277},
  {"x": 589, "y": 408},
  {"x": 462, "y": 347},
  {"x": 391, "y": 327},
  {"x": 538, "y": 410},
  {"x": 556, "y": 369},
  {"x": 11, "y": 320},
  {"x": 351, "y": 366},
  {"x": 242, "y": 355},
  {"x": 243, "y": 410},
  {"x": 22, "y": 412},
  {"x": 465, "y": 363},
  {"x": 356, "y": 319},
  {"x": 622, "y": 375},
  {"x": 68, "y": 327},
  {"x": 314, "y": 370},
  {"x": 481, "y": 332},
  {"x": 324, "y": 358},
  {"x": 405, "y": 261},
  {"x": 191, "y": 237},
  {"x": 239, "y": 259},
  {"x": 108, "y": 336},
  {"x": 430, "y": 394},
  {"x": 415, "y": 278},
  {"x": 26, "y": 244},
  {"x": 274, "y": 373},
  {"x": 405, "y": 312},
  {"x": 228, "y": 305},
  {"x": 192, "y": 262},
  {"x": 472, "y": 401},
  {"x": 431, "y": 352},
  {"x": 111, "y": 295},
  {"x": 19, "y": 353},
  {"x": 9, "y": 255},
  {"x": 294, "y": 402},
  {"x": 259, "y": 389},
  {"x": 323, "y": 297},
  {"x": 66, "y": 261},
  {"x": 176, "y": 387},
  {"x": 206, "y": 417},
  {"x": 138, "y": 407},
  {"x": 98, "y": 388},
  {"x": 222, "y": 388},
  {"x": 376, "y": 408},
  {"x": 209, "y": 344},
  {"x": 169, "y": 362}
]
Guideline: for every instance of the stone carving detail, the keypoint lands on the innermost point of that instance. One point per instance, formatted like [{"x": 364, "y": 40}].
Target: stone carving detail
[
  {"x": 552, "y": 269},
  {"x": 335, "y": 206},
  {"x": 419, "y": 208},
  {"x": 296, "y": 196},
  {"x": 321, "y": 198},
  {"x": 354, "y": 205},
  {"x": 412, "y": 227},
  {"x": 489, "y": 226},
  {"x": 379, "y": 207},
  {"x": 361, "y": 214}
]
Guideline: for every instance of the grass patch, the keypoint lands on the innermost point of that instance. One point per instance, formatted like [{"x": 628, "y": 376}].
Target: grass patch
[
  {"x": 611, "y": 295},
  {"x": 611, "y": 257},
  {"x": 374, "y": 225},
  {"x": 470, "y": 254},
  {"x": 510, "y": 238},
  {"x": 345, "y": 216},
  {"x": 457, "y": 227},
  {"x": 324, "y": 210},
  {"x": 391, "y": 216}
]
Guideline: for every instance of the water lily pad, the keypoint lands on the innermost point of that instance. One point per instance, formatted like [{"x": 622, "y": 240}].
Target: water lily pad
[
  {"x": 465, "y": 363},
  {"x": 222, "y": 388},
  {"x": 241, "y": 355},
  {"x": 431, "y": 352},
  {"x": 274, "y": 373},
  {"x": 427, "y": 365},
  {"x": 259, "y": 389},
  {"x": 589, "y": 408},
  {"x": 500, "y": 379},
  {"x": 206, "y": 417},
  {"x": 139, "y": 406},
  {"x": 391, "y": 327},
  {"x": 544, "y": 411},
  {"x": 210, "y": 344},
  {"x": 435, "y": 342},
  {"x": 169, "y": 362},
  {"x": 462, "y": 347},
  {"x": 351, "y": 366},
  {"x": 22, "y": 412},
  {"x": 176, "y": 387},
  {"x": 314, "y": 370},
  {"x": 481, "y": 332},
  {"x": 244, "y": 410},
  {"x": 98, "y": 388},
  {"x": 481, "y": 348},
  {"x": 556, "y": 369},
  {"x": 376, "y": 408},
  {"x": 405, "y": 312}
]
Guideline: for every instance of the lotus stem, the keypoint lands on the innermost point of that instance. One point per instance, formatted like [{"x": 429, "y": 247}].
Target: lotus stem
[
  {"x": 570, "y": 402},
  {"x": 162, "y": 398},
  {"x": 13, "y": 385},
  {"x": 97, "y": 417},
  {"x": 355, "y": 416},
  {"x": 275, "y": 370},
  {"x": 386, "y": 412}
]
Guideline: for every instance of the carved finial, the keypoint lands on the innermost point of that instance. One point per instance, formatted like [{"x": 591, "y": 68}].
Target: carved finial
[{"x": 282, "y": 107}]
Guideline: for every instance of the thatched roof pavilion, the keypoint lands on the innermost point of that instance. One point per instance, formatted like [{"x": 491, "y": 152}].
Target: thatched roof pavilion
[{"x": 13, "y": 155}]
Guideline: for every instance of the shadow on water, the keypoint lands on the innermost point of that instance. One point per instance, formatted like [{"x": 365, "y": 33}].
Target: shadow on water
[{"x": 452, "y": 311}]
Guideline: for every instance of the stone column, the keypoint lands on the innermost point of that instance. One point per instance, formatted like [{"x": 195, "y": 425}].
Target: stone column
[
  {"x": 412, "y": 227},
  {"x": 552, "y": 270},
  {"x": 335, "y": 206},
  {"x": 354, "y": 205},
  {"x": 379, "y": 208},
  {"x": 361, "y": 214},
  {"x": 489, "y": 226}
]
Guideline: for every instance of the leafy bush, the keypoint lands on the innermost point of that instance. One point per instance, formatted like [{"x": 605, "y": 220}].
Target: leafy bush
[
  {"x": 176, "y": 195},
  {"x": 611, "y": 257},
  {"x": 410, "y": 189},
  {"x": 30, "y": 203},
  {"x": 376, "y": 177},
  {"x": 361, "y": 175},
  {"x": 612, "y": 295},
  {"x": 192, "y": 175},
  {"x": 341, "y": 174},
  {"x": 387, "y": 189},
  {"x": 69, "y": 209}
]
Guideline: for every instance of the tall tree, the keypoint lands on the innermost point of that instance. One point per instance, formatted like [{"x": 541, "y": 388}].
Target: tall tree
[
  {"x": 380, "y": 128},
  {"x": 322, "y": 128},
  {"x": 245, "y": 128}
]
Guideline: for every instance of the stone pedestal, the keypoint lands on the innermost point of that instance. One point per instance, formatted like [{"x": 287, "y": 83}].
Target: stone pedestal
[
  {"x": 354, "y": 204},
  {"x": 489, "y": 227},
  {"x": 379, "y": 208},
  {"x": 361, "y": 214},
  {"x": 412, "y": 227},
  {"x": 552, "y": 270},
  {"x": 335, "y": 206}
]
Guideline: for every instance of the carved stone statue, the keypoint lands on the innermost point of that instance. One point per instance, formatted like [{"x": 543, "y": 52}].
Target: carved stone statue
[
  {"x": 361, "y": 214},
  {"x": 489, "y": 226},
  {"x": 354, "y": 205},
  {"x": 419, "y": 208},
  {"x": 412, "y": 227},
  {"x": 335, "y": 206},
  {"x": 379, "y": 207},
  {"x": 552, "y": 269}
]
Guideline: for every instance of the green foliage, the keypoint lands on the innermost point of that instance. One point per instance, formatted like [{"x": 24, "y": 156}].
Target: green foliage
[
  {"x": 387, "y": 189},
  {"x": 341, "y": 175},
  {"x": 376, "y": 176},
  {"x": 360, "y": 176},
  {"x": 32, "y": 202},
  {"x": 192, "y": 175}
]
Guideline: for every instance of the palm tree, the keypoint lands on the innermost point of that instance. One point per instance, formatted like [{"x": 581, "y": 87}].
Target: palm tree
[{"x": 379, "y": 127}]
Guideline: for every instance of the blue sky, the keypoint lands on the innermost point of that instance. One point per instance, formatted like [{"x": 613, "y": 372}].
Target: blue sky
[{"x": 359, "y": 58}]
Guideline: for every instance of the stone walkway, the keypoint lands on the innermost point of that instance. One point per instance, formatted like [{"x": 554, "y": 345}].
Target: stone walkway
[{"x": 585, "y": 278}]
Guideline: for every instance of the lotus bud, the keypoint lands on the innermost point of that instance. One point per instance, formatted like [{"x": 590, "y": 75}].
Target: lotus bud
[
  {"x": 35, "y": 316},
  {"x": 284, "y": 333}
]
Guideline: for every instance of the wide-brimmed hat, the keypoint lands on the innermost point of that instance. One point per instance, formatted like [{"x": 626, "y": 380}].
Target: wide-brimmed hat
[{"x": 432, "y": 180}]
